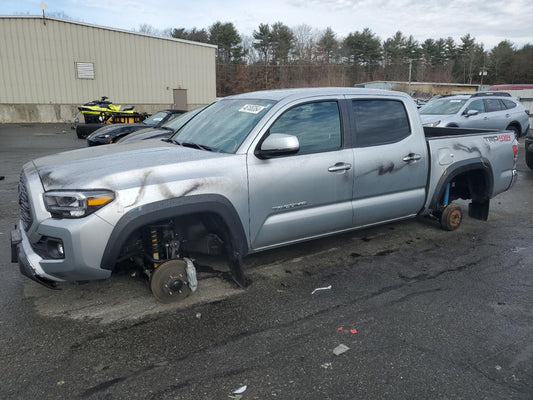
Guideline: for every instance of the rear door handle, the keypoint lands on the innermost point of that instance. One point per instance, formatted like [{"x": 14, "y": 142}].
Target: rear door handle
[
  {"x": 412, "y": 157},
  {"x": 340, "y": 166}
]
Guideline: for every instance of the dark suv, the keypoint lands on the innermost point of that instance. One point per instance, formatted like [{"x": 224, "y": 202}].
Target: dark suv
[{"x": 529, "y": 148}]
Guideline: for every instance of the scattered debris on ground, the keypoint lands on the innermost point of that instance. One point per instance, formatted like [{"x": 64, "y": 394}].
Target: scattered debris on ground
[
  {"x": 321, "y": 288},
  {"x": 340, "y": 349},
  {"x": 352, "y": 331},
  {"x": 238, "y": 392}
]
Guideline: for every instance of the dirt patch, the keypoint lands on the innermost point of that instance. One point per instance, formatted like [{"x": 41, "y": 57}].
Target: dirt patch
[{"x": 118, "y": 299}]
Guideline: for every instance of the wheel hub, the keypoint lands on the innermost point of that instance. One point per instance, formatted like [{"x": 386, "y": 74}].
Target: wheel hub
[
  {"x": 169, "y": 281},
  {"x": 455, "y": 218},
  {"x": 175, "y": 285}
]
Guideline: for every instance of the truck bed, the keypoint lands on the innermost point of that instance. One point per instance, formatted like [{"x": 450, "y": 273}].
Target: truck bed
[
  {"x": 430, "y": 132},
  {"x": 454, "y": 151}
]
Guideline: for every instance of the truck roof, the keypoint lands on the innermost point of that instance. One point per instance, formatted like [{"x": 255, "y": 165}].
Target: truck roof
[{"x": 281, "y": 94}]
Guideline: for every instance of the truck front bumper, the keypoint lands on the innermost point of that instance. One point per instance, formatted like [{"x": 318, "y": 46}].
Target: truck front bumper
[
  {"x": 28, "y": 260},
  {"x": 76, "y": 265}
]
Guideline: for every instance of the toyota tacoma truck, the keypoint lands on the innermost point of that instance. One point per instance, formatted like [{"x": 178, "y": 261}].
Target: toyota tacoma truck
[{"x": 250, "y": 172}]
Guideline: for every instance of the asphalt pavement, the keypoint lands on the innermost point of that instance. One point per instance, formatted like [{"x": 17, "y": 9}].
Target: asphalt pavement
[{"x": 422, "y": 314}]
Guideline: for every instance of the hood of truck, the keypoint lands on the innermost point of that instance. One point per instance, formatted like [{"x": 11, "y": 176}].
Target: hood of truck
[{"x": 120, "y": 166}]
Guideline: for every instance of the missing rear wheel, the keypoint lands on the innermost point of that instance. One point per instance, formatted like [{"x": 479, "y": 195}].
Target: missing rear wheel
[{"x": 451, "y": 217}]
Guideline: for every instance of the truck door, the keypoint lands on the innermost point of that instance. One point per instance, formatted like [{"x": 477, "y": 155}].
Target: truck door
[
  {"x": 390, "y": 161},
  {"x": 306, "y": 194}
]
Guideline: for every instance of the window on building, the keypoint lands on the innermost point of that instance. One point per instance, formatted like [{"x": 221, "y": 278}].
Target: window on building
[{"x": 85, "y": 70}]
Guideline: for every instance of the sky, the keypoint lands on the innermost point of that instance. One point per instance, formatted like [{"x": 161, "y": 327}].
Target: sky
[{"x": 488, "y": 21}]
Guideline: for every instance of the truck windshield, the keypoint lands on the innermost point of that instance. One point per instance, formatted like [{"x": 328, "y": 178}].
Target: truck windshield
[
  {"x": 443, "y": 107},
  {"x": 223, "y": 125}
]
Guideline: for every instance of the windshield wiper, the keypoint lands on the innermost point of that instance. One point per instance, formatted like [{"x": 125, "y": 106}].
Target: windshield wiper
[{"x": 194, "y": 145}]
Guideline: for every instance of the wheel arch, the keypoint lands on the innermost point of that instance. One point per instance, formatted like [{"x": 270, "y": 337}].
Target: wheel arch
[
  {"x": 173, "y": 208},
  {"x": 478, "y": 175},
  {"x": 516, "y": 125}
]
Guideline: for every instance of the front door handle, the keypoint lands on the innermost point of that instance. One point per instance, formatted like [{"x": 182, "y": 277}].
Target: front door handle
[
  {"x": 340, "y": 167},
  {"x": 412, "y": 157}
]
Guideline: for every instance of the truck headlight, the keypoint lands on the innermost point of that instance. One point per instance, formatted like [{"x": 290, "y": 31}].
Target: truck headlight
[
  {"x": 432, "y": 124},
  {"x": 76, "y": 204}
]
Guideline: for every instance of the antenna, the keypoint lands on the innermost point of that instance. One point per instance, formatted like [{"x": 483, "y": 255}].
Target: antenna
[{"x": 43, "y": 7}]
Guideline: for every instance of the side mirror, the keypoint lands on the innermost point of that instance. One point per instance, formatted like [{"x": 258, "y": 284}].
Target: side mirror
[
  {"x": 471, "y": 113},
  {"x": 278, "y": 145}
]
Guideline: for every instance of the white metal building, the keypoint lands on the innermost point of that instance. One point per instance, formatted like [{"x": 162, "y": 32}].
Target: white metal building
[{"x": 48, "y": 67}]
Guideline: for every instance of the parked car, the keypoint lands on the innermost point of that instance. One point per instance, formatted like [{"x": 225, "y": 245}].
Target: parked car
[
  {"x": 483, "y": 110},
  {"x": 249, "y": 173},
  {"x": 111, "y": 133},
  {"x": 529, "y": 148},
  {"x": 164, "y": 131}
]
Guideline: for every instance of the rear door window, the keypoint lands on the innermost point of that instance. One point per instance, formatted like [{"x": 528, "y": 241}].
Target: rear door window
[
  {"x": 509, "y": 104},
  {"x": 379, "y": 122},
  {"x": 493, "y": 105}
]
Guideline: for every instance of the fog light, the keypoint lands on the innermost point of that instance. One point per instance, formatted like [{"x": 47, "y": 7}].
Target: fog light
[
  {"x": 55, "y": 249},
  {"x": 60, "y": 249},
  {"x": 49, "y": 248}
]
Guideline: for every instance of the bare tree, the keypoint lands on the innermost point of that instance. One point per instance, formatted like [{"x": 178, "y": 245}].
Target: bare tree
[
  {"x": 150, "y": 30},
  {"x": 251, "y": 54},
  {"x": 304, "y": 43}
]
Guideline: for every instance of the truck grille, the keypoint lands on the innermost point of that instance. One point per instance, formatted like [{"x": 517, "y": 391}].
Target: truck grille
[{"x": 25, "y": 209}]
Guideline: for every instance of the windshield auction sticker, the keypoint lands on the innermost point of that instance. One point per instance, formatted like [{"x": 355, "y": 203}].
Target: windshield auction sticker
[{"x": 252, "y": 109}]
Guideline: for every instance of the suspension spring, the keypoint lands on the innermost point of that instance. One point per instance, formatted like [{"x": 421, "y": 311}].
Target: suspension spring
[{"x": 155, "y": 246}]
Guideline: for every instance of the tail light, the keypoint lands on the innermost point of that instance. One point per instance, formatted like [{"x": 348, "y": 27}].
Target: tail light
[{"x": 515, "y": 150}]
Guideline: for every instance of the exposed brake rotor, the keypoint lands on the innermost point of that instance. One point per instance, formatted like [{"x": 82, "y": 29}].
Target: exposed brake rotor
[{"x": 169, "y": 281}]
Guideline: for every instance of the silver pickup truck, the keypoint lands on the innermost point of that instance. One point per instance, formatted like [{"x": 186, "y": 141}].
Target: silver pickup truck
[{"x": 249, "y": 173}]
